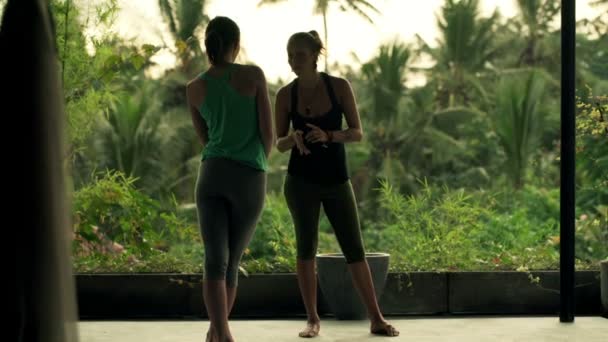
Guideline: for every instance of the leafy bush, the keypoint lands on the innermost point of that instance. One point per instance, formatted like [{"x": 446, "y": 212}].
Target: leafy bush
[
  {"x": 592, "y": 236},
  {"x": 114, "y": 221},
  {"x": 592, "y": 154},
  {"x": 428, "y": 231},
  {"x": 273, "y": 247}
]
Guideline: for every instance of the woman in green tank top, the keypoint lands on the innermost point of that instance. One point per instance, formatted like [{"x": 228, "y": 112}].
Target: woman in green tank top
[{"x": 230, "y": 112}]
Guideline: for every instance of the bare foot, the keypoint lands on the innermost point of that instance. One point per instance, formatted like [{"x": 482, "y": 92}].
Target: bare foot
[
  {"x": 311, "y": 330},
  {"x": 383, "y": 328},
  {"x": 213, "y": 337}
]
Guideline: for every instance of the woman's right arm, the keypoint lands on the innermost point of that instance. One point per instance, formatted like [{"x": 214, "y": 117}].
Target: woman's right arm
[
  {"x": 264, "y": 114},
  {"x": 285, "y": 140}
]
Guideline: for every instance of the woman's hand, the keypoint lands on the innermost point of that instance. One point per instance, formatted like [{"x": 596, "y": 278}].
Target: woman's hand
[
  {"x": 297, "y": 137},
  {"x": 316, "y": 135}
]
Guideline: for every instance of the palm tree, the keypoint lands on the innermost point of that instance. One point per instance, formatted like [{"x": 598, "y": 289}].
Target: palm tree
[
  {"x": 128, "y": 138},
  {"x": 401, "y": 119},
  {"x": 322, "y": 6},
  {"x": 518, "y": 120},
  {"x": 534, "y": 22},
  {"x": 384, "y": 78},
  {"x": 143, "y": 141},
  {"x": 413, "y": 145},
  {"x": 184, "y": 17},
  {"x": 466, "y": 45},
  {"x": 436, "y": 134}
]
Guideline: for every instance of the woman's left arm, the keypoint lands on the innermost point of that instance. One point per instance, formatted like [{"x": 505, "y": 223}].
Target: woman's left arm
[{"x": 354, "y": 132}]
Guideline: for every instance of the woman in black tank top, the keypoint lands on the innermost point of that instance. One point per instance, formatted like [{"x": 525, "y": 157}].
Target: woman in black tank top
[
  {"x": 315, "y": 104},
  {"x": 331, "y": 156}
]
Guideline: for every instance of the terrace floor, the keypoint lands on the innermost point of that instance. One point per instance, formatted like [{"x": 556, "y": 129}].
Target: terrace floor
[{"x": 419, "y": 329}]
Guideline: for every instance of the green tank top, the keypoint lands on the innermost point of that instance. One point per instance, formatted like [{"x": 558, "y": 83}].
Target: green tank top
[{"x": 232, "y": 120}]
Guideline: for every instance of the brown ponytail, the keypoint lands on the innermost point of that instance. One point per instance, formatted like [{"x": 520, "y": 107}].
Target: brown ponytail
[{"x": 221, "y": 34}]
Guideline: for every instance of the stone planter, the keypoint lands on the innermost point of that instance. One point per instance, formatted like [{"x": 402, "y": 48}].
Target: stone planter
[
  {"x": 337, "y": 286},
  {"x": 276, "y": 295},
  {"x": 513, "y": 293}
]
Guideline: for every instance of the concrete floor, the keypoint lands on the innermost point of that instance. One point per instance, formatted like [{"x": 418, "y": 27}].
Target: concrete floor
[{"x": 515, "y": 329}]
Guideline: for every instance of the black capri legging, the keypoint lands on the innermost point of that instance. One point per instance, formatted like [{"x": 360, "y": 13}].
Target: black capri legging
[
  {"x": 229, "y": 198},
  {"x": 304, "y": 200}
]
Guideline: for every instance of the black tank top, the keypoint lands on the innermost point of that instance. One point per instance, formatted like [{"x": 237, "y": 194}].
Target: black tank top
[{"x": 326, "y": 164}]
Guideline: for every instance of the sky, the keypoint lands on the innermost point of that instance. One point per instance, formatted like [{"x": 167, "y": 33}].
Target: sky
[{"x": 265, "y": 30}]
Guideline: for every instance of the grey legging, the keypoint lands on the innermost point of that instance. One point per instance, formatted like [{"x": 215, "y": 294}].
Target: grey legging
[
  {"x": 229, "y": 198},
  {"x": 304, "y": 200}
]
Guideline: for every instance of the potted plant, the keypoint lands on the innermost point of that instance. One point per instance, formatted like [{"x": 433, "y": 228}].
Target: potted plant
[{"x": 337, "y": 286}]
